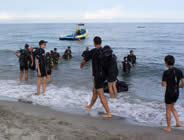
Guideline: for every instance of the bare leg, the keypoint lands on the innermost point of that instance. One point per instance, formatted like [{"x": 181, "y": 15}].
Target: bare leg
[
  {"x": 38, "y": 85},
  {"x": 115, "y": 90},
  {"x": 168, "y": 117},
  {"x": 173, "y": 110},
  {"x": 93, "y": 100},
  {"x": 21, "y": 75},
  {"x": 49, "y": 78},
  {"x": 26, "y": 75},
  {"x": 44, "y": 84},
  {"x": 104, "y": 102},
  {"x": 110, "y": 86}
]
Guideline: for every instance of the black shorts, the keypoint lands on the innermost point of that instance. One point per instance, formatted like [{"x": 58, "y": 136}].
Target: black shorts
[
  {"x": 99, "y": 82},
  {"x": 24, "y": 67},
  {"x": 43, "y": 72},
  {"x": 112, "y": 78},
  {"x": 169, "y": 99},
  {"x": 49, "y": 72}
]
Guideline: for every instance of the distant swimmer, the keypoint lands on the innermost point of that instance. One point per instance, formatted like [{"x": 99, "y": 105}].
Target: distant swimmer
[
  {"x": 86, "y": 52},
  {"x": 132, "y": 58},
  {"x": 67, "y": 53},
  {"x": 41, "y": 67},
  {"x": 126, "y": 65},
  {"x": 96, "y": 55},
  {"x": 171, "y": 79},
  {"x": 111, "y": 70},
  {"x": 24, "y": 57},
  {"x": 49, "y": 65},
  {"x": 56, "y": 56}
]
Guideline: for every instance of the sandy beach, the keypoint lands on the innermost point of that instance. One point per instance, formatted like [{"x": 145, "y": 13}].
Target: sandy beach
[{"x": 20, "y": 121}]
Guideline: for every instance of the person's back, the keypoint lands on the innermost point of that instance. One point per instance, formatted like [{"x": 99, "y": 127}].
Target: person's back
[{"x": 171, "y": 79}]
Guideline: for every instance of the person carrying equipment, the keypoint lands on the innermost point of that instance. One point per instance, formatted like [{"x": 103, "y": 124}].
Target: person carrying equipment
[
  {"x": 41, "y": 67},
  {"x": 56, "y": 56},
  {"x": 68, "y": 53},
  {"x": 24, "y": 57},
  {"x": 111, "y": 70}
]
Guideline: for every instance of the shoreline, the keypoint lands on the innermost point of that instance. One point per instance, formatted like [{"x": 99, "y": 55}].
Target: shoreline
[{"x": 20, "y": 121}]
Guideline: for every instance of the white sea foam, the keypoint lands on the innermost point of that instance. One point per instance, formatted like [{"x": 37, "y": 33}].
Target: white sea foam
[{"x": 128, "y": 106}]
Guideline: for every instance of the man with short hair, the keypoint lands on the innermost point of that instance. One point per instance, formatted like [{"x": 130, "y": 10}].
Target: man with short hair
[
  {"x": 86, "y": 52},
  {"x": 41, "y": 67},
  {"x": 96, "y": 55},
  {"x": 171, "y": 79},
  {"x": 132, "y": 58}
]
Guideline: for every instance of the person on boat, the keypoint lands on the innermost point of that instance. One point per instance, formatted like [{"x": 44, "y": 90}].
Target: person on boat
[
  {"x": 79, "y": 31},
  {"x": 41, "y": 67},
  {"x": 24, "y": 57},
  {"x": 48, "y": 65},
  {"x": 56, "y": 56},
  {"x": 126, "y": 65},
  {"x": 111, "y": 70},
  {"x": 171, "y": 79},
  {"x": 67, "y": 53},
  {"x": 132, "y": 58},
  {"x": 32, "y": 64},
  {"x": 96, "y": 55},
  {"x": 86, "y": 52}
]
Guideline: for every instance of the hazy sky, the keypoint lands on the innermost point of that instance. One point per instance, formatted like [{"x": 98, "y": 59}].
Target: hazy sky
[{"x": 91, "y": 11}]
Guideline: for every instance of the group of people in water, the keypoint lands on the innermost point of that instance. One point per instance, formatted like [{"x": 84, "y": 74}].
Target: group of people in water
[
  {"x": 104, "y": 68},
  {"x": 36, "y": 59}
]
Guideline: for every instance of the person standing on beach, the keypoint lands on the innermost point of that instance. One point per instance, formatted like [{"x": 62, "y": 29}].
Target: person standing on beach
[
  {"x": 41, "y": 67},
  {"x": 96, "y": 55},
  {"x": 171, "y": 79},
  {"x": 24, "y": 58}
]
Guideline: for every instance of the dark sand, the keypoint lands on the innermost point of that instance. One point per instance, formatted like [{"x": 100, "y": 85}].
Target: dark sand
[{"x": 21, "y": 121}]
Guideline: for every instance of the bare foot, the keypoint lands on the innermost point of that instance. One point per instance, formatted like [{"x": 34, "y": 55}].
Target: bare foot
[
  {"x": 88, "y": 108},
  {"x": 178, "y": 124},
  {"x": 168, "y": 129},
  {"x": 108, "y": 115}
]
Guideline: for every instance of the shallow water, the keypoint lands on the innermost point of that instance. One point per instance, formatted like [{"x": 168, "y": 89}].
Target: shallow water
[{"x": 71, "y": 87}]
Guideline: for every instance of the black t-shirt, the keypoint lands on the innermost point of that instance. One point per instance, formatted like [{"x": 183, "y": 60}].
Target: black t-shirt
[
  {"x": 40, "y": 55},
  {"x": 172, "y": 77},
  {"x": 96, "y": 55}
]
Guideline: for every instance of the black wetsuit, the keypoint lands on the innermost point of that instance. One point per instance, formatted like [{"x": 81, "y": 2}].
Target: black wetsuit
[
  {"x": 111, "y": 68},
  {"x": 48, "y": 63},
  {"x": 67, "y": 54},
  {"x": 132, "y": 59},
  {"x": 24, "y": 59},
  {"x": 85, "y": 53},
  {"x": 172, "y": 77},
  {"x": 96, "y": 55},
  {"x": 30, "y": 62},
  {"x": 56, "y": 57},
  {"x": 40, "y": 55}
]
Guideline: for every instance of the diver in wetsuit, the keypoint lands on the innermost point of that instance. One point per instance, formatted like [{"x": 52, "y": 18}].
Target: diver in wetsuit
[
  {"x": 111, "y": 70},
  {"x": 86, "y": 52},
  {"x": 24, "y": 57},
  {"x": 67, "y": 53},
  {"x": 132, "y": 58},
  {"x": 96, "y": 55},
  {"x": 41, "y": 67},
  {"x": 32, "y": 64},
  {"x": 49, "y": 65},
  {"x": 56, "y": 56},
  {"x": 126, "y": 65}
]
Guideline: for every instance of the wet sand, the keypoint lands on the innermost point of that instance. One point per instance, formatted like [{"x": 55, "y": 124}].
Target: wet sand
[{"x": 21, "y": 121}]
